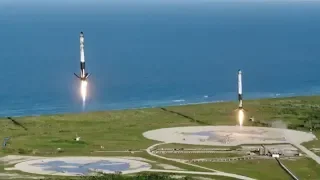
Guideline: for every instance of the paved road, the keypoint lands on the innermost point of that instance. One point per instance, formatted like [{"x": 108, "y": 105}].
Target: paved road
[
  {"x": 308, "y": 152},
  {"x": 215, "y": 172}
]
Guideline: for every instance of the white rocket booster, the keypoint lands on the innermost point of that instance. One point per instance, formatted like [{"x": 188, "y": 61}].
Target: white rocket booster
[
  {"x": 240, "y": 88},
  {"x": 82, "y": 47},
  {"x": 83, "y": 74}
]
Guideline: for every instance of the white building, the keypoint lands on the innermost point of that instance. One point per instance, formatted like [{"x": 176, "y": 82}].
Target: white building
[{"x": 275, "y": 155}]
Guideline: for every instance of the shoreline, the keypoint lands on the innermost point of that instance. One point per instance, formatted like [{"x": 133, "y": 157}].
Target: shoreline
[{"x": 172, "y": 104}]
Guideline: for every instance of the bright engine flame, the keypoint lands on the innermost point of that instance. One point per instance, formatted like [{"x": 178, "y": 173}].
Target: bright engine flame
[
  {"x": 240, "y": 117},
  {"x": 83, "y": 90}
]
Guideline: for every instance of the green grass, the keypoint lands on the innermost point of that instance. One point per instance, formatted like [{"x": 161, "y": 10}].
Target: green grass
[
  {"x": 260, "y": 169},
  {"x": 315, "y": 143},
  {"x": 115, "y": 130},
  {"x": 141, "y": 176},
  {"x": 122, "y": 130},
  {"x": 189, "y": 156},
  {"x": 303, "y": 168}
]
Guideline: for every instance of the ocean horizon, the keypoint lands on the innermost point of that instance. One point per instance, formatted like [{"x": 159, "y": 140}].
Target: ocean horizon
[{"x": 154, "y": 54}]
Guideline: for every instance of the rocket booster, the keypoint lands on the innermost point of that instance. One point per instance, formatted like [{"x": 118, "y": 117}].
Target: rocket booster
[
  {"x": 83, "y": 74},
  {"x": 240, "y": 88},
  {"x": 82, "y": 48}
]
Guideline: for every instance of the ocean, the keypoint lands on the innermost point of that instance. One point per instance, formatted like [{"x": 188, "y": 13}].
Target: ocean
[{"x": 154, "y": 53}]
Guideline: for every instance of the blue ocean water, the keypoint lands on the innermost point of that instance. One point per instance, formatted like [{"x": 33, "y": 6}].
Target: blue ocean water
[{"x": 154, "y": 53}]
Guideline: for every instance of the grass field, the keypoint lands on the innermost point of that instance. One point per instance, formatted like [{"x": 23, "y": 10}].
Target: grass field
[
  {"x": 260, "y": 169},
  {"x": 271, "y": 170},
  {"x": 122, "y": 130},
  {"x": 301, "y": 168},
  {"x": 200, "y": 155}
]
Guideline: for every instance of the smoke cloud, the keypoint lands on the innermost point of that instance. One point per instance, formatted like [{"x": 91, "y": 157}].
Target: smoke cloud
[{"x": 279, "y": 124}]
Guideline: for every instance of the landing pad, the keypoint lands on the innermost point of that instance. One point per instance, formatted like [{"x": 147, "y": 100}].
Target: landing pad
[
  {"x": 81, "y": 166},
  {"x": 227, "y": 135}
]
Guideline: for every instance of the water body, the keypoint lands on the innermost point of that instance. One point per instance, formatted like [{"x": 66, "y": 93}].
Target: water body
[{"x": 154, "y": 53}]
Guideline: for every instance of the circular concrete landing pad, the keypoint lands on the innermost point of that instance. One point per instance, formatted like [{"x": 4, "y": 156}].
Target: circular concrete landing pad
[
  {"x": 227, "y": 135},
  {"x": 79, "y": 166}
]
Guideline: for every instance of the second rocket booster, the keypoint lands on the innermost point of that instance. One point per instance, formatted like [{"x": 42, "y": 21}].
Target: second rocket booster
[{"x": 240, "y": 88}]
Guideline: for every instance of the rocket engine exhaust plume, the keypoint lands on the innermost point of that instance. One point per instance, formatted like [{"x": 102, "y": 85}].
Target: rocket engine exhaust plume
[
  {"x": 240, "y": 117},
  {"x": 83, "y": 90}
]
